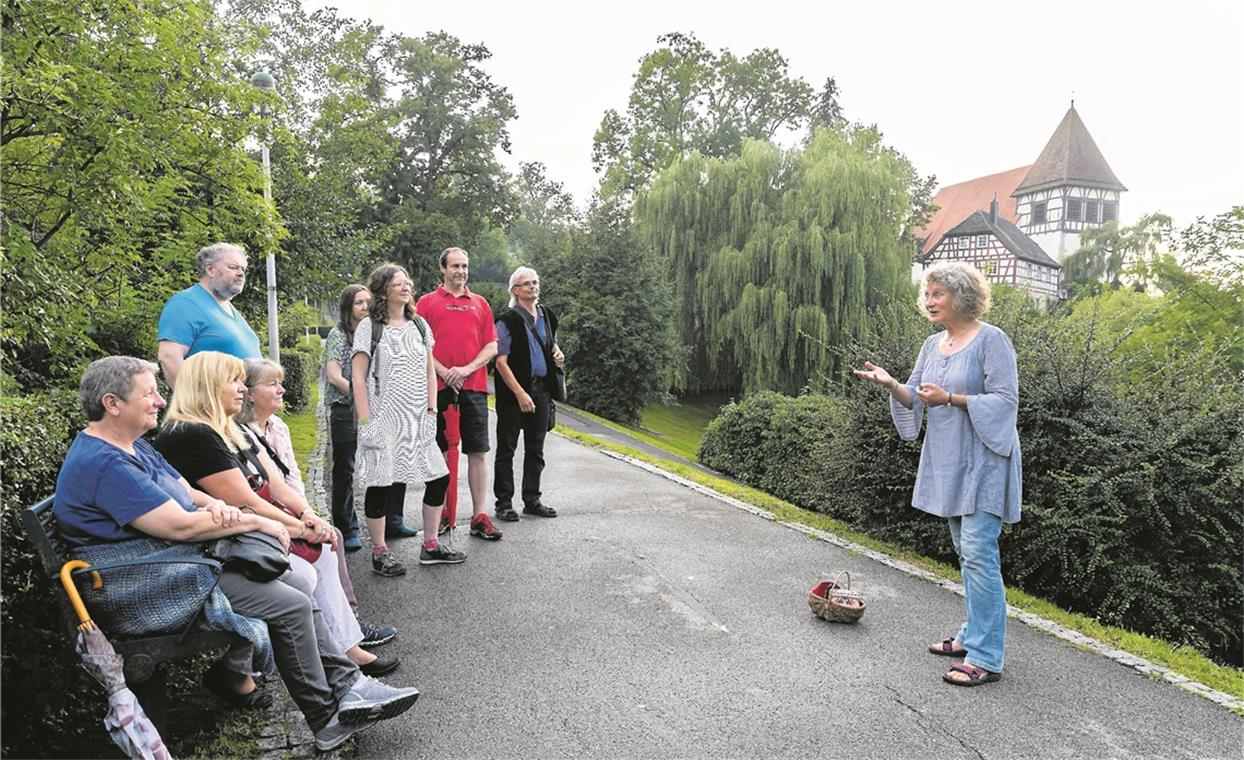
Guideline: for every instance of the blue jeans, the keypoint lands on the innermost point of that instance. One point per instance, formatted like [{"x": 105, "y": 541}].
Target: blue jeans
[{"x": 976, "y": 542}]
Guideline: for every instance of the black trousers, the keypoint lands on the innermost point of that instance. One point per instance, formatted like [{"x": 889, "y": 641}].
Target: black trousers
[
  {"x": 344, "y": 435},
  {"x": 534, "y": 426}
]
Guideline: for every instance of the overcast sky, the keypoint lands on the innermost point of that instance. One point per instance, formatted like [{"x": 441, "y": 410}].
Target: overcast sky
[{"x": 964, "y": 89}]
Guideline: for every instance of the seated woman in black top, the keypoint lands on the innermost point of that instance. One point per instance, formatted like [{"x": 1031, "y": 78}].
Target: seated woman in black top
[{"x": 202, "y": 442}]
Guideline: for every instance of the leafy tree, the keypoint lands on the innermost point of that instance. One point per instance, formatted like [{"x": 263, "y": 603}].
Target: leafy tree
[
  {"x": 332, "y": 142},
  {"x": 541, "y": 234},
  {"x": 687, "y": 98},
  {"x": 444, "y": 185},
  {"x": 614, "y": 317},
  {"x": 120, "y": 145},
  {"x": 1107, "y": 251},
  {"x": 777, "y": 258}
]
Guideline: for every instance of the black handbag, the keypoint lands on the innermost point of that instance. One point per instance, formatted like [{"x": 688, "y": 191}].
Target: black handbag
[{"x": 254, "y": 554}]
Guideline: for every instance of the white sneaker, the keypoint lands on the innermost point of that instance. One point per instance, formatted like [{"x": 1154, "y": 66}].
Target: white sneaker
[
  {"x": 369, "y": 699},
  {"x": 336, "y": 733}
]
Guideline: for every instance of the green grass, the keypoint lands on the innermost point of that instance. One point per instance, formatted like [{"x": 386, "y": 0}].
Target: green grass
[
  {"x": 1183, "y": 660},
  {"x": 302, "y": 428},
  {"x": 676, "y": 428}
]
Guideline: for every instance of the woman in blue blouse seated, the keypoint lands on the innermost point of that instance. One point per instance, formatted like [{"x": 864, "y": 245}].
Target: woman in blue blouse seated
[
  {"x": 117, "y": 498},
  {"x": 970, "y": 470}
]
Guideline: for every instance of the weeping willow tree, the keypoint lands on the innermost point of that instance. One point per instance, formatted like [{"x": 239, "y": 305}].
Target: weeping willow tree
[{"x": 776, "y": 258}]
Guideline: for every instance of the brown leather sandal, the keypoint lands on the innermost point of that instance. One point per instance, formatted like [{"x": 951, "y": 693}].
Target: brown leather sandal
[{"x": 946, "y": 648}]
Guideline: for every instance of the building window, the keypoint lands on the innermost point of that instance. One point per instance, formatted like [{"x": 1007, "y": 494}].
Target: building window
[
  {"x": 982, "y": 241},
  {"x": 1109, "y": 212},
  {"x": 1075, "y": 210},
  {"x": 1038, "y": 212},
  {"x": 1090, "y": 211}
]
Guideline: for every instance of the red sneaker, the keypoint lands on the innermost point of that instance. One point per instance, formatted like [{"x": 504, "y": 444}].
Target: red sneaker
[{"x": 481, "y": 526}]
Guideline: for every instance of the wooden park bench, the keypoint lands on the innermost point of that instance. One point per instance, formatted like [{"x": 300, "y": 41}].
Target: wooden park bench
[{"x": 144, "y": 656}]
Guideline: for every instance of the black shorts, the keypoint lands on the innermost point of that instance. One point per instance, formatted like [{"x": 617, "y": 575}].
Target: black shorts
[{"x": 472, "y": 421}]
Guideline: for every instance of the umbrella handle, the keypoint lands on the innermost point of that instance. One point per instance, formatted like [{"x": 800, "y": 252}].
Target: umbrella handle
[{"x": 71, "y": 591}]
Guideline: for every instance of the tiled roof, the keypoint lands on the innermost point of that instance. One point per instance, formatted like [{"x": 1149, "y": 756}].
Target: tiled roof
[
  {"x": 1011, "y": 237},
  {"x": 1070, "y": 157},
  {"x": 960, "y": 200}
]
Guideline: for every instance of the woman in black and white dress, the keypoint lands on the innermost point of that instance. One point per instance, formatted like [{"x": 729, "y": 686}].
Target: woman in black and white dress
[{"x": 395, "y": 399}]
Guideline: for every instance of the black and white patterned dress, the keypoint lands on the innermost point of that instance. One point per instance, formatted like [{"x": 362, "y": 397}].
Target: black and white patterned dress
[{"x": 398, "y": 444}]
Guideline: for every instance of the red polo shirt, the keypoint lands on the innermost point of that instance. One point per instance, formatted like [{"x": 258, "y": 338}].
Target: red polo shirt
[{"x": 462, "y": 325}]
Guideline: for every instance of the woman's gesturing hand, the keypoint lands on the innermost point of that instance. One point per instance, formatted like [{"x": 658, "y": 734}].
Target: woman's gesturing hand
[
  {"x": 933, "y": 394},
  {"x": 874, "y": 374}
]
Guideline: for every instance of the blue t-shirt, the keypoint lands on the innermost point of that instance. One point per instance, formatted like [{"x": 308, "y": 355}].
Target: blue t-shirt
[
  {"x": 193, "y": 318},
  {"x": 539, "y": 367},
  {"x": 101, "y": 489}
]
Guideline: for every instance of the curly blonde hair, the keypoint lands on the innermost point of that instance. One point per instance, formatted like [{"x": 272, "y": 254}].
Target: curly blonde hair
[{"x": 969, "y": 290}]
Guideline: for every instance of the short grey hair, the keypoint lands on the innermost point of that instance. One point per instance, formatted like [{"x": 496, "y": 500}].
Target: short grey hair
[
  {"x": 112, "y": 374},
  {"x": 514, "y": 278},
  {"x": 210, "y": 254},
  {"x": 969, "y": 290}
]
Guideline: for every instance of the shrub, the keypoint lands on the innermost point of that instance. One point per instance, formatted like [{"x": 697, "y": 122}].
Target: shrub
[
  {"x": 53, "y": 709},
  {"x": 301, "y": 370},
  {"x": 1131, "y": 491}
]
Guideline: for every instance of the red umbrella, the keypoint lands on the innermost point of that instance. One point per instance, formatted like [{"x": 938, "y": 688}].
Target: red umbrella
[{"x": 453, "y": 437}]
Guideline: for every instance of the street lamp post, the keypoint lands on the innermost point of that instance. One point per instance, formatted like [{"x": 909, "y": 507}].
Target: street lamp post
[{"x": 264, "y": 81}]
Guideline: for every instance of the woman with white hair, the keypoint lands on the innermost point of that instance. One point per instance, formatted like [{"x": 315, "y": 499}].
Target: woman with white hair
[{"x": 970, "y": 470}]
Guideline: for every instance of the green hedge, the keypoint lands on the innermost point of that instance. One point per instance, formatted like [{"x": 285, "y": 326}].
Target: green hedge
[
  {"x": 301, "y": 371},
  {"x": 51, "y": 707},
  {"x": 1131, "y": 491}
]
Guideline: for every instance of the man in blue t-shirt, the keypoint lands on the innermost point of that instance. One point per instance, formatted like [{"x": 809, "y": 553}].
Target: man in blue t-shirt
[{"x": 202, "y": 317}]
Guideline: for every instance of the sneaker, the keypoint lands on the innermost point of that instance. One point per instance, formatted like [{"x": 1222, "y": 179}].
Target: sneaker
[
  {"x": 482, "y": 527},
  {"x": 336, "y": 733},
  {"x": 387, "y": 565},
  {"x": 352, "y": 543},
  {"x": 441, "y": 555},
  {"x": 375, "y": 635},
  {"x": 369, "y": 699}
]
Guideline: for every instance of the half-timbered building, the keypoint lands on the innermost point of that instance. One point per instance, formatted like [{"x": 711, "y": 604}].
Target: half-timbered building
[
  {"x": 1001, "y": 251},
  {"x": 1045, "y": 207},
  {"x": 1069, "y": 189}
]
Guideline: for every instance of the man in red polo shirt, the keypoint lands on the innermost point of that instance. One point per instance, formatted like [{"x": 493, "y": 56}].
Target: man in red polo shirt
[{"x": 466, "y": 339}]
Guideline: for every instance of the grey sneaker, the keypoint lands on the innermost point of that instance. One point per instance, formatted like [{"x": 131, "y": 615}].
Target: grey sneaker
[
  {"x": 369, "y": 699},
  {"x": 387, "y": 565},
  {"x": 441, "y": 555},
  {"x": 336, "y": 733}
]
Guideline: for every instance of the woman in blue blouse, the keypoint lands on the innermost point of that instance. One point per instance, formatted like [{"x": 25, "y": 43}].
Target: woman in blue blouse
[{"x": 970, "y": 470}]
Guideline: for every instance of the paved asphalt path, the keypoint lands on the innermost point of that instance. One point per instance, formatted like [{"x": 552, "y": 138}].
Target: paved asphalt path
[{"x": 650, "y": 621}]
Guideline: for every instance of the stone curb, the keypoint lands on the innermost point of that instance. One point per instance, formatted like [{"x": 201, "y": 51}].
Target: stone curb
[{"x": 1127, "y": 659}]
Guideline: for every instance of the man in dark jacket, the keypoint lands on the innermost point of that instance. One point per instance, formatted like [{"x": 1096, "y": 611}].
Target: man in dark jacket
[{"x": 527, "y": 360}]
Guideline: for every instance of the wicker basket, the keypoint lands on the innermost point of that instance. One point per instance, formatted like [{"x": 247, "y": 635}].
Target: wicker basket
[{"x": 837, "y": 604}]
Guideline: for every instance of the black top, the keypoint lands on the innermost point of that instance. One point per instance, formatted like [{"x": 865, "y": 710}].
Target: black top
[
  {"x": 196, "y": 451},
  {"x": 519, "y": 358}
]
